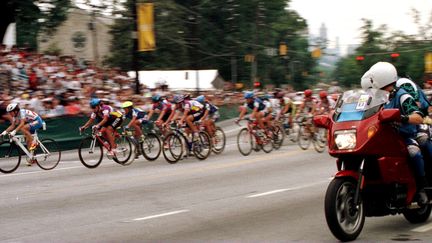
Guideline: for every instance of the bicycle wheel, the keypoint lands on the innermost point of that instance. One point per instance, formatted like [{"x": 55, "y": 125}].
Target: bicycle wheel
[
  {"x": 304, "y": 139},
  {"x": 172, "y": 148},
  {"x": 218, "y": 141},
  {"x": 244, "y": 142},
  {"x": 10, "y": 157},
  {"x": 151, "y": 147},
  {"x": 90, "y": 152},
  {"x": 278, "y": 137},
  {"x": 202, "y": 147},
  {"x": 47, "y": 154},
  {"x": 267, "y": 144},
  {"x": 124, "y": 150}
]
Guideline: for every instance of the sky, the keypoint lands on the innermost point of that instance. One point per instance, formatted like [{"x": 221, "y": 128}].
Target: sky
[{"x": 343, "y": 17}]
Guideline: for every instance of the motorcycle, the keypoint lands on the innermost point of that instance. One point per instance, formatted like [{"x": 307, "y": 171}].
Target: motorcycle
[{"x": 374, "y": 175}]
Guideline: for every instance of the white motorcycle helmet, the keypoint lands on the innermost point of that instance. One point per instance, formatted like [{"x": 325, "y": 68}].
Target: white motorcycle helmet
[
  {"x": 366, "y": 80},
  {"x": 383, "y": 74}
]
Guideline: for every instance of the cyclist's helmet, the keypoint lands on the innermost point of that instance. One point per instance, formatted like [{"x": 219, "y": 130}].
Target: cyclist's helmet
[
  {"x": 323, "y": 94},
  {"x": 156, "y": 98},
  {"x": 249, "y": 95},
  {"x": 308, "y": 93},
  {"x": 200, "y": 99},
  {"x": 94, "y": 102},
  {"x": 127, "y": 104},
  {"x": 178, "y": 99},
  {"x": 12, "y": 107},
  {"x": 279, "y": 95}
]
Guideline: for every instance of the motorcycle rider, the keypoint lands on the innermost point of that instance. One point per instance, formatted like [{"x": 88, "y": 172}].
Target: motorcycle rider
[{"x": 383, "y": 75}]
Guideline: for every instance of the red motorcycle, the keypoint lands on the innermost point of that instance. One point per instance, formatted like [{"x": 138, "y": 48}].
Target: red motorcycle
[{"x": 374, "y": 176}]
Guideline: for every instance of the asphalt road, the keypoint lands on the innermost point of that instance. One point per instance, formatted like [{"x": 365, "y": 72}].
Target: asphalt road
[{"x": 275, "y": 197}]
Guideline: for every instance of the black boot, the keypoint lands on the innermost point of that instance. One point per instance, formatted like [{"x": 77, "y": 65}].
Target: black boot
[{"x": 421, "y": 193}]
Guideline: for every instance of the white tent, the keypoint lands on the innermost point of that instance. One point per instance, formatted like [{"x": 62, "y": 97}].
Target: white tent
[{"x": 181, "y": 79}]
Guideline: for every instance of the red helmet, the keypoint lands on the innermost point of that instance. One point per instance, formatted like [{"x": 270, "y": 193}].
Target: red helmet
[
  {"x": 308, "y": 93},
  {"x": 323, "y": 94}
]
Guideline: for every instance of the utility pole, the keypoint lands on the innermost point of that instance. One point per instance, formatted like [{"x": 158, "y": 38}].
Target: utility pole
[
  {"x": 194, "y": 40},
  {"x": 135, "y": 46}
]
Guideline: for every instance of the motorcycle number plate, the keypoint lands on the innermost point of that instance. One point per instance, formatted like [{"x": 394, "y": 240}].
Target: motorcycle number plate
[{"x": 362, "y": 102}]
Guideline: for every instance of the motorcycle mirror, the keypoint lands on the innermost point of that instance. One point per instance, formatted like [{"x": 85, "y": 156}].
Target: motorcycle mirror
[
  {"x": 322, "y": 121},
  {"x": 388, "y": 115}
]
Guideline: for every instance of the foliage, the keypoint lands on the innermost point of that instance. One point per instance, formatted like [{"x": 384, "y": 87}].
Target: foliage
[{"x": 212, "y": 34}]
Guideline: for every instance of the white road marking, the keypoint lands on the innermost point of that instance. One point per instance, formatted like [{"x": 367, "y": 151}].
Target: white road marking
[
  {"x": 423, "y": 228},
  {"x": 161, "y": 215},
  {"x": 286, "y": 189}
]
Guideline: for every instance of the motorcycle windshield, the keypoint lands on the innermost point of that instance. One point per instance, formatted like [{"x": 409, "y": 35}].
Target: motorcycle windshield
[{"x": 356, "y": 105}]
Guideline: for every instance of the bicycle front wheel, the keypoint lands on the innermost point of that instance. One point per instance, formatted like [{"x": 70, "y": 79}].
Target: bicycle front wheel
[
  {"x": 151, "y": 147},
  {"x": 90, "y": 152},
  {"x": 172, "y": 148},
  {"x": 124, "y": 150},
  {"x": 202, "y": 147},
  {"x": 244, "y": 142},
  {"x": 47, "y": 154},
  {"x": 218, "y": 141},
  {"x": 10, "y": 157}
]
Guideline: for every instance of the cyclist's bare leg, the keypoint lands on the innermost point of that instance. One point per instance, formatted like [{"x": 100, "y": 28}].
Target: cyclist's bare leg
[
  {"x": 26, "y": 131},
  {"x": 137, "y": 127},
  {"x": 190, "y": 123},
  {"x": 108, "y": 133},
  {"x": 259, "y": 118}
]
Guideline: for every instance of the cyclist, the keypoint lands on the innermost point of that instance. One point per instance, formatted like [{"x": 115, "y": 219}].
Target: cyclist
[
  {"x": 258, "y": 109},
  {"x": 325, "y": 104},
  {"x": 210, "y": 116},
  {"x": 26, "y": 121},
  {"x": 108, "y": 120},
  {"x": 192, "y": 111},
  {"x": 137, "y": 117},
  {"x": 161, "y": 106},
  {"x": 307, "y": 109},
  {"x": 287, "y": 107}
]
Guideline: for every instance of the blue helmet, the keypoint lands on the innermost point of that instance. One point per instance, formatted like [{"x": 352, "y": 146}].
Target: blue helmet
[
  {"x": 248, "y": 95},
  {"x": 94, "y": 102},
  {"x": 178, "y": 98},
  {"x": 200, "y": 99},
  {"x": 156, "y": 98}
]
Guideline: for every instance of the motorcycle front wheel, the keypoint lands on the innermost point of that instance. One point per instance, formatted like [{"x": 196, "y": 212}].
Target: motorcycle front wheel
[{"x": 344, "y": 219}]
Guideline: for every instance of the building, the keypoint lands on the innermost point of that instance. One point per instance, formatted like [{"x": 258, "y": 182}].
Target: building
[{"x": 82, "y": 35}]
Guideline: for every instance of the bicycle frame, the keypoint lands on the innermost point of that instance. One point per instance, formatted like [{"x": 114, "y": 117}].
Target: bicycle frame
[{"x": 17, "y": 140}]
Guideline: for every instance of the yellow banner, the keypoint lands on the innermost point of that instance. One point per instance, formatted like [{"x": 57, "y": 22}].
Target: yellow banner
[
  {"x": 428, "y": 62},
  {"x": 146, "y": 36}
]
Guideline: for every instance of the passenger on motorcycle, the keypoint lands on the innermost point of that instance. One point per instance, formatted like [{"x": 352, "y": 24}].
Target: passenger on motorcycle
[
  {"x": 107, "y": 120},
  {"x": 383, "y": 75},
  {"x": 137, "y": 117}
]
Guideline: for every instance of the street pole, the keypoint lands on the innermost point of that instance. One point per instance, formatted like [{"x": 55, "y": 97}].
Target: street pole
[{"x": 135, "y": 46}]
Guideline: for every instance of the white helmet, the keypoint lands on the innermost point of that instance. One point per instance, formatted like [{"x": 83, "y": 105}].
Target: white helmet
[
  {"x": 366, "y": 80},
  {"x": 12, "y": 107},
  {"x": 383, "y": 74}
]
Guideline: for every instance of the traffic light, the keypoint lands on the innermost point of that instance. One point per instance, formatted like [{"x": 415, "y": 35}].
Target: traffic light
[{"x": 360, "y": 58}]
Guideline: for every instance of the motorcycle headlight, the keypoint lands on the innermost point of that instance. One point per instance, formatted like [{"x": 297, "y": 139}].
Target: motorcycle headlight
[{"x": 345, "y": 139}]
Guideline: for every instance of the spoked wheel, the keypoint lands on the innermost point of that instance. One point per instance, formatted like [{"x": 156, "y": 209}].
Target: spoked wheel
[
  {"x": 202, "y": 147},
  {"x": 344, "y": 218},
  {"x": 304, "y": 138},
  {"x": 90, "y": 152},
  {"x": 278, "y": 137},
  {"x": 218, "y": 141},
  {"x": 47, "y": 154},
  {"x": 267, "y": 144},
  {"x": 244, "y": 142},
  {"x": 10, "y": 157},
  {"x": 151, "y": 147},
  {"x": 172, "y": 148},
  {"x": 124, "y": 150}
]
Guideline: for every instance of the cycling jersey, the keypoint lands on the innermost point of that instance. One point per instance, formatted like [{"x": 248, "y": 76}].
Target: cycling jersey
[
  {"x": 192, "y": 106},
  {"x": 257, "y": 103},
  {"x": 136, "y": 112},
  {"x": 210, "y": 107},
  {"x": 164, "y": 105},
  {"x": 30, "y": 117},
  {"x": 115, "y": 118}
]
